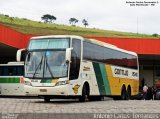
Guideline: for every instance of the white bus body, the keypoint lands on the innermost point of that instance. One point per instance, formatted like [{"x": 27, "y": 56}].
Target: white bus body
[
  {"x": 11, "y": 79},
  {"x": 72, "y": 66}
]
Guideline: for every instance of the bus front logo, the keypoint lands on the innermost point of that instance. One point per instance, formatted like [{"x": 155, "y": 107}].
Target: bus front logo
[{"x": 75, "y": 88}]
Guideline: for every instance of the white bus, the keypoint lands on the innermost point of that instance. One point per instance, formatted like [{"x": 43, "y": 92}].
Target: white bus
[
  {"x": 11, "y": 79},
  {"x": 66, "y": 66}
]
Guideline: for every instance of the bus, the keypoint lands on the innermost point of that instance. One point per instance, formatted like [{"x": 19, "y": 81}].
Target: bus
[
  {"x": 67, "y": 66},
  {"x": 11, "y": 79}
]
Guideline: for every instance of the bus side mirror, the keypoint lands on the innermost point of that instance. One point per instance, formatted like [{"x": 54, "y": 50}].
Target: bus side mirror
[
  {"x": 19, "y": 53},
  {"x": 68, "y": 55}
]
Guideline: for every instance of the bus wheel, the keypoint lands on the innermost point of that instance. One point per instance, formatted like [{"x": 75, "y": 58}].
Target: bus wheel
[
  {"x": 85, "y": 94},
  {"x": 123, "y": 93},
  {"x": 47, "y": 98},
  {"x": 128, "y": 94}
]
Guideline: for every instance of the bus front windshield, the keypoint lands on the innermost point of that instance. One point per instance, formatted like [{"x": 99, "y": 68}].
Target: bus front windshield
[{"x": 46, "y": 64}]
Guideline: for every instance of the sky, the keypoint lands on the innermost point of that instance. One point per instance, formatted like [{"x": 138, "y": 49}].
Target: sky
[{"x": 114, "y": 15}]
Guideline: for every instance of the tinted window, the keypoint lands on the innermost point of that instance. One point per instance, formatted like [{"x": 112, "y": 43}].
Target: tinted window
[
  {"x": 75, "y": 59},
  {"x": 105, "y": 55},
  {"x": 11, "y": 71},
  {"x": 49, "y": 43}
]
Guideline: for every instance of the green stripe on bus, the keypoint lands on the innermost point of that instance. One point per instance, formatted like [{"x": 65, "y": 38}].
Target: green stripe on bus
[
  {"x": 102, "y": 79},
  {"x": 99, "y": 78},
  {"x": 105, "y": 79},
  {"x": 46, "y": 81},
  {"x": 10, "y": 80}
]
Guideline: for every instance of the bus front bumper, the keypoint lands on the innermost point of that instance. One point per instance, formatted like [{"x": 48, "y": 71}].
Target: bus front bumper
[{"x": 56, "y": 90}]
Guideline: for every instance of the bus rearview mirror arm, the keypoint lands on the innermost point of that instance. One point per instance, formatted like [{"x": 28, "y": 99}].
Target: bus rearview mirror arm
[
  {"x": 19, "y": 53},
  {"x": 68, "y": 55}
]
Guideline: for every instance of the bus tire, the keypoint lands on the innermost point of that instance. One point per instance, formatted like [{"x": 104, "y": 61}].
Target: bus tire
[
  {"x": 85, "y": 94},
  {"x": 47, "y": 98},
  {"x": 123, "y": 93},
  {"x": 128, "y": 94}
]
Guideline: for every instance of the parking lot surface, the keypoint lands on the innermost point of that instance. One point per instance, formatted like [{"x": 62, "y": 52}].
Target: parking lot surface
[{"x": 38, "y": 106}]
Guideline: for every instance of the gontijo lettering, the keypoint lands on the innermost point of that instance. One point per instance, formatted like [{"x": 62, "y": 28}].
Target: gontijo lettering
[{"x": 121, "y": 71}]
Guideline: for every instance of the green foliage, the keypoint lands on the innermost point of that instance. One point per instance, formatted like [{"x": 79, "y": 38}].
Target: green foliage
[
  {"x": 48, "y": 18},
  {"x": 85, "y": 22},
  {"x": 6, "y": 15},
  {"x": 155, "y": 35},
  {"x": 33, "y": 27},
  {"x": 73, "y": 21}
]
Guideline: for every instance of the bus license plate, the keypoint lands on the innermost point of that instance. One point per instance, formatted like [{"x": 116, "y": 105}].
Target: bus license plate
[{"x": 43, "y": 90}]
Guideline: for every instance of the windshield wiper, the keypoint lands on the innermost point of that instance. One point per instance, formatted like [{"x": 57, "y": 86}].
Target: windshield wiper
[
  {"x": 49, "y": 68},
  {"x": 39, "y": 65}
]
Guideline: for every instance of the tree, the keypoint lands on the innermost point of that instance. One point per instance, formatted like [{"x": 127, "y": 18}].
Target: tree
[
  {"x": 45, "y": 18},
  {"x": 48, "y": 18},
  {"x": 52, "y": 18},
  {"x": 73, "y": 21},
  {"x": 85, "y": 22},
  {"x": 155, "y": 35}
]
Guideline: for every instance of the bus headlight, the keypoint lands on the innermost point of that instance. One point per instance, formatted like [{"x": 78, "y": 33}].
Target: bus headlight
[
  {"x": 62, "y": 83},
  {"x": 27, "y": 83}
]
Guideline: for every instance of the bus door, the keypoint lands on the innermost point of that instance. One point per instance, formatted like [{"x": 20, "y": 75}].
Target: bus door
[{"x": 75, "y": 65}]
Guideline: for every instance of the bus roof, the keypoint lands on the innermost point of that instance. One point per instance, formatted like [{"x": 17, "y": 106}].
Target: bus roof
[
  {"x": 13, "y": 64},
  {"x": 57, "y": 36},
  {"x": 85, "y": 39}
]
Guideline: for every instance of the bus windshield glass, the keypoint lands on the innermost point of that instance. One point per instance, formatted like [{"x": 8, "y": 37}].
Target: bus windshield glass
[
  {"x": 46, "y": 64},
  {"x": 49, "y": 43}
]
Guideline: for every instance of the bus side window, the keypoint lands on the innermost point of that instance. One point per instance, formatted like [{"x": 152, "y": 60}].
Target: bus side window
[
  {"x": 12, "y": 71},
  {"x": 20, "y": 71},
  {"x": 75, "y": 59},
  {"x": 1, "y": 71}
]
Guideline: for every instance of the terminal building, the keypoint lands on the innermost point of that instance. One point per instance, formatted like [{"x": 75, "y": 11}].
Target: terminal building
[{"x": 148, "y": 51}]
